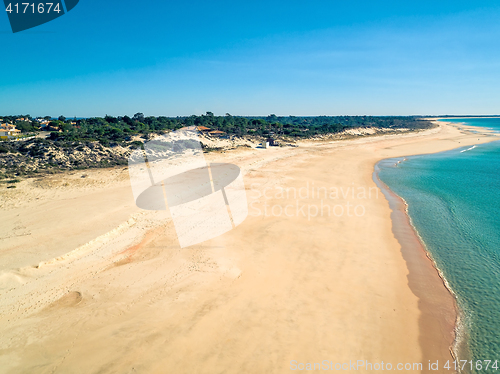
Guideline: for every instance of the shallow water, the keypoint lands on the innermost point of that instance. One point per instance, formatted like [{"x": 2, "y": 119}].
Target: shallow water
[{"x": 454, "y": 202}]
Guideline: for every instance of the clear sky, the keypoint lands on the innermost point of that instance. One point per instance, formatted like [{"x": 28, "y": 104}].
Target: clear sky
[{"x": 256, "y": 58}]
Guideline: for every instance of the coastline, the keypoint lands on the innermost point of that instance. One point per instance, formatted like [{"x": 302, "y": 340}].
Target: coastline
[
  {"x": 456, "y": 117},
  {"x": 424, "y": 275},
  {"x": 340, "y": 287},
  {"x": 437, "y": 330}
]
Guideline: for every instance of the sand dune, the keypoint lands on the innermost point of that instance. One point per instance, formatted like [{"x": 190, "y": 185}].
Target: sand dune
[{"x": 91, "y": 284}]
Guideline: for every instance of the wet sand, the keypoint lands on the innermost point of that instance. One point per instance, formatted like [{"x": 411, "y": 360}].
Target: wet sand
[{"x": 437, "y": 304}]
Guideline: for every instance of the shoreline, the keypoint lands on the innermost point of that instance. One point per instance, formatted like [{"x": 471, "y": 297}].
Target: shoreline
[
  {"x": 412, "y": 247},
  {"x": 424, "y": 276},
  {"x": 457, "y": 117}
]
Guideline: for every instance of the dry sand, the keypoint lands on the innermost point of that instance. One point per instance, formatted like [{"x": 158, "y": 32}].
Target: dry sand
[{"x": 91, "y": 284}]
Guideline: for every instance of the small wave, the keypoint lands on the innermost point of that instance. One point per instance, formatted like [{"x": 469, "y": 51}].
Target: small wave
[
  {"x": 460, "y": 349},
  {"x": 468, "y": 149}
]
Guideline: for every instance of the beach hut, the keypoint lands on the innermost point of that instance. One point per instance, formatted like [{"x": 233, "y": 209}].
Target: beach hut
[{"x": 272, "y": 142}]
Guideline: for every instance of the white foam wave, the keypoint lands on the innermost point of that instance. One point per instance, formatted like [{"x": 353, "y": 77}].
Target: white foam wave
[{"x": 468, "y": 149}]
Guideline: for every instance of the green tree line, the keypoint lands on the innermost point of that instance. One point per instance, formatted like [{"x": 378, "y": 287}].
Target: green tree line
[{"x": 109, "y": 129}]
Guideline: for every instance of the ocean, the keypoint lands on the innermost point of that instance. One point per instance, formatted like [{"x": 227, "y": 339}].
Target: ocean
[{"x": 453, "y": 201}]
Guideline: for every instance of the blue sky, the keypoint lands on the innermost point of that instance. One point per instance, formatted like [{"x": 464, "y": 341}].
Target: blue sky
[{"x": 256, "y": 58}]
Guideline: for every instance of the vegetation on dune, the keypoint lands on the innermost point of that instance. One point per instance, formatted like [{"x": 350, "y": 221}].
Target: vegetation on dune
[
  {"x": 110, "y": 129},
  {"x": 104, "y": 142}
]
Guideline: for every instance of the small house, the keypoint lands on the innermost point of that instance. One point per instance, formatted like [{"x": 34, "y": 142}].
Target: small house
[
  {"x": 8, "y": 131},
  {"x": 52, "y": 128},
  {"x": 272, "y": 142}
]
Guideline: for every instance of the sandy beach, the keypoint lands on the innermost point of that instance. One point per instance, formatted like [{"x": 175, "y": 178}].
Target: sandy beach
[{"x": 89, "y": 283}]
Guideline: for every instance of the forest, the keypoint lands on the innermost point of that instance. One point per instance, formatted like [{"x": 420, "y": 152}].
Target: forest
[{"x": 109, "y": 129}]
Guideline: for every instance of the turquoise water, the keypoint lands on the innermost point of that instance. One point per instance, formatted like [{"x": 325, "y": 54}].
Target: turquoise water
[{"x": 454, "y": 203}]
